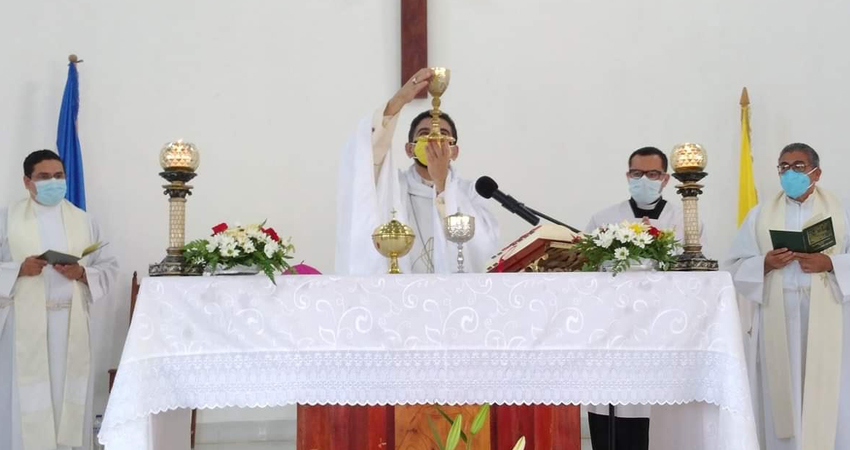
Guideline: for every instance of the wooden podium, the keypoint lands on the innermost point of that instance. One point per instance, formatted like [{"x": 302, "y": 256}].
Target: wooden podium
[{"x": 545, "y": 248}]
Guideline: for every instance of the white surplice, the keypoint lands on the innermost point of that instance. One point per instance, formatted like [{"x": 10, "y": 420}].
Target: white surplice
[
  {"x": 100, "y": 272},
  {"x": 746, "y": 264},
  {"x": 671, "y": 217},
  {"x": 370, "y": 188}
]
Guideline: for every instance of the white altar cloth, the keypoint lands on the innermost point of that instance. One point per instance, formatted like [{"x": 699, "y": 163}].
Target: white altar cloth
[{"x": 578, "y": 338}]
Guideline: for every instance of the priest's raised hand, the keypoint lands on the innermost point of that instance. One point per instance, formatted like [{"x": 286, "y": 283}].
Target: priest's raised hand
[
  {"x": 408, "y": 92},
  {"x": 440, "y": 155}
]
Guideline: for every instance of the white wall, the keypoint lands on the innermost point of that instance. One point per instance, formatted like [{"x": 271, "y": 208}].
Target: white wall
[{"x": 550, "y": 96}]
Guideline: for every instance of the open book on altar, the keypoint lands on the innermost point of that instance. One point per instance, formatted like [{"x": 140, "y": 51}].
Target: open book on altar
[{"x": 544, "y": 248}]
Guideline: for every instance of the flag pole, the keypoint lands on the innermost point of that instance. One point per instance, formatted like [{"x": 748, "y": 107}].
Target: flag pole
[{"x": 73, "y": 58}]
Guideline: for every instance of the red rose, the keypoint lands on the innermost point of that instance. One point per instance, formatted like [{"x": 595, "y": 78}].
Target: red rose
[
  {"x": 220, "y": 228},
  {"x": 272, "y": 234},
  {"x": 654, "y": 232}
]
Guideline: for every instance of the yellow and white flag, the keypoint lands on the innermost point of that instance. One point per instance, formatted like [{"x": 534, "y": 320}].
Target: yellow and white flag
[{"x": 747, "y": 195}]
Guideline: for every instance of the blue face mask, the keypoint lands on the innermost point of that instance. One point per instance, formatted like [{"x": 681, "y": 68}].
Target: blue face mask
[
  {"x": 50, "y": 192},
  {"x": 795, "y": 184},
  {"x": 644, "y": 190}
]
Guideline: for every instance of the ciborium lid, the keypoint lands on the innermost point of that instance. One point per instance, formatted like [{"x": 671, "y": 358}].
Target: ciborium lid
[{"x": 393, "y": 228}]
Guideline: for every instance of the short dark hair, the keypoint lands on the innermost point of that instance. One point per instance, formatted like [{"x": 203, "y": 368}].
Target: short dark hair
[
  {"x": 37, "y": 157},
  {"x": 805, "y": 148},
  {"x": 427, "y": 114},
  {"x": 649, "y": 151}
]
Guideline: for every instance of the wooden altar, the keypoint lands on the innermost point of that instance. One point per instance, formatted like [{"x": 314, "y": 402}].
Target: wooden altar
[{"x": 406, "y": 427}]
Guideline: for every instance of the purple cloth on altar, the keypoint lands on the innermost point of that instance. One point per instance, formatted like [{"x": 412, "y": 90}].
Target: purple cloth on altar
[{"x": 304, "y": 269}]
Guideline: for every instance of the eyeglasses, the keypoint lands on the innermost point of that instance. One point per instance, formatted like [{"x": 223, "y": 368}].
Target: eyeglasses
[
  {"x": 796, "y": 166},
  {"x": 43, "y": 176},
  {"x": 651, "y": 174}
]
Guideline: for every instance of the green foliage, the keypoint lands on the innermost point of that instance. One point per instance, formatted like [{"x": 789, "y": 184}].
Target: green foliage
[{"x": 625, "y": 243}]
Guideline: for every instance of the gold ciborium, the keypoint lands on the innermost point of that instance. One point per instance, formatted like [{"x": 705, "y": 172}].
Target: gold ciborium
[
  {"x": 689, "y": 161},
  {"x": 393, "y": 240},
  {"x": 437, "y": 87},
  {"x": 178, "y": 160}
]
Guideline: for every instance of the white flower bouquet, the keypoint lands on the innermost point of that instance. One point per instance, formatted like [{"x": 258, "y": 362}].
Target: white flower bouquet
[
  {"x": 627, "y": 243},
  {"x": 250, "y": 245}
]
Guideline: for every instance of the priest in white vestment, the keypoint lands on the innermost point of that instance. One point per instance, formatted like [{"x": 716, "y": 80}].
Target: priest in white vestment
[
  {"x": 647, "y": 176},
  {"x": 422, "y": 195},
  {"x": 799, "y": 334},
  {"x": 45, "y": 352}
]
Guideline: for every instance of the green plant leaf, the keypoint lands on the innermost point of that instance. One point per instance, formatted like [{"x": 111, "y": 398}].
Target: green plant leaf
[
  {"x": 480, "y": 418},
  {"x": 520, "y": 444},
  {"x": 454, "y": 433},
  {"x": 452, "y": 422},
  {"x": 436, "y": 434}
]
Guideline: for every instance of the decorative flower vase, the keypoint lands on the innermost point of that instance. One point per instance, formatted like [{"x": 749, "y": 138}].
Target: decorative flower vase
[
  {"x": 644, "y": 265},
  {"x": 236, "y": 270}
]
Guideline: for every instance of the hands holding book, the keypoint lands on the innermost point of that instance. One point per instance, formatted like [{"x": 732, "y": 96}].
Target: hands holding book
[
  {"x": 809, "y": 262},
  {"x": 32, "y": 267}
]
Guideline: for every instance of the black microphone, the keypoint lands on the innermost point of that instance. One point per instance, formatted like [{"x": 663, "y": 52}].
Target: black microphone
[{"x": 487, "y": 188}]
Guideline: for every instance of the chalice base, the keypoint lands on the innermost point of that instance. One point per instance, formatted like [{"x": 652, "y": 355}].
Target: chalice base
[
  {"x": 690, "y": 261},
  {"x": 394, "y": 269}
]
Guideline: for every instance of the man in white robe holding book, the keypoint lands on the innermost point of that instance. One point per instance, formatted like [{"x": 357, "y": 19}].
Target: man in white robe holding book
[
  {"x": 45, "y": 352},
  {"x": 799, "y": 334},
  {"x": 422, "y": 195}
]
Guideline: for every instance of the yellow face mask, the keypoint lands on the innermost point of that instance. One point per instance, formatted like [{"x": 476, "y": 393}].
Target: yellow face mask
[
  {"x": 419, "y": 150},
  {"x": 420, "y": 146}
]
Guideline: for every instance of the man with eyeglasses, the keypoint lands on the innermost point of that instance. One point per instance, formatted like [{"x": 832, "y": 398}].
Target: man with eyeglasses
[
  {"x": 370, "y": 189},
  {"x": 800, "y": 328},
  {"x": 45, "y": 354},
  {"x": 647, "y": 176}
]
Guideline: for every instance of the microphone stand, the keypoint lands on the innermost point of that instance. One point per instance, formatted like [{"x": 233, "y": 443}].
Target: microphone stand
[
  {"x": 544, "y": 216},
  {"x": 612, "y": 420}
]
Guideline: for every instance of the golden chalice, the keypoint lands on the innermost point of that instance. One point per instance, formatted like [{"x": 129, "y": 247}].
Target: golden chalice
[
  {"x": 437, "y": 87},
  {"x": 393, "y": 240}
]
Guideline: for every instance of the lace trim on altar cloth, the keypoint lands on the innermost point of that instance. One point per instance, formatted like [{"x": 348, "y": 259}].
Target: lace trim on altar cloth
[{"x": 263, "y": 379}]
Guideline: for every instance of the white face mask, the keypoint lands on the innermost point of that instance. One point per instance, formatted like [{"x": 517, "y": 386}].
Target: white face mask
[{"x": 644, "y": 190}]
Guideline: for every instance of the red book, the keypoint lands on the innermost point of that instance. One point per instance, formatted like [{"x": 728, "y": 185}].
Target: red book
[{"x": 529, "y": 247}]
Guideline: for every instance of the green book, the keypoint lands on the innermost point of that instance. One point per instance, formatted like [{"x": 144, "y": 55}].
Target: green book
[
  {"x": 814, "y": 238},
  {"x": 53, "y": 257}
]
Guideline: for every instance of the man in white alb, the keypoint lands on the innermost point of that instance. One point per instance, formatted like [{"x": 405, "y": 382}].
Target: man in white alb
[
  {"x": 647, "y": 177},
  {"x": 45, "y": 352},
  {"x": 422, "y": 195},
  {"x": 799, "y": 334}
]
